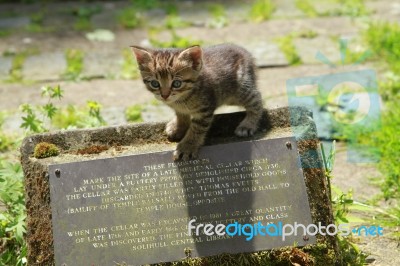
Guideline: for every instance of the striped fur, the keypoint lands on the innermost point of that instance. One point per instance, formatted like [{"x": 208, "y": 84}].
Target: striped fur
[{"x": 207, "y": 79}]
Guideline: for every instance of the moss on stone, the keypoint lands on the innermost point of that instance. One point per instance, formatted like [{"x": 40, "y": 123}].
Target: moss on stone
[{"x": 45, "y": 149}]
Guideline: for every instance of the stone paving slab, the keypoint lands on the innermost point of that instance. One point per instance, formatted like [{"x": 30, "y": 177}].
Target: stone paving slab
[
  {"x": 46, "y": 66},
  {"x": 101, "y": 57},
  {"x": 5, "y": 66}
]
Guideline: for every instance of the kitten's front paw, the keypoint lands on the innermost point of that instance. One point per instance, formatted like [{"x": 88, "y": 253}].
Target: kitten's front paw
[
  {"x": 185, "y": 152},
  {"x": 243, "y": 131},
  {"x": 174, "y": 132}
]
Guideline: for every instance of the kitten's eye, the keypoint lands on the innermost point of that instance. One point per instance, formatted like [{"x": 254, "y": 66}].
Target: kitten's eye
[
  {"x": 176, "y": 84},
  {"x": 155, "y": 84}
]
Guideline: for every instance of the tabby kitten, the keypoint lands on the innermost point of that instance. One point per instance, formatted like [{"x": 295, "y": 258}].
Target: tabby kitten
[{"x": 194, "y": 82}]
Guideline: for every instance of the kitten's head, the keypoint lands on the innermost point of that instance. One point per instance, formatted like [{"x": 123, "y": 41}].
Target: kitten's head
[{"x": 169, "y": 73}]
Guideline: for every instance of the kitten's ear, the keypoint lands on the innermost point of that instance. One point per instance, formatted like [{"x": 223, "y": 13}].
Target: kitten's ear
[
  {"x": 194, "y": 55},
  {"x": 142, "y": 55}
]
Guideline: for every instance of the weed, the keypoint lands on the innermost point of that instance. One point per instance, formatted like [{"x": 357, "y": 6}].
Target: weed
[
  {"x": 353, "y": 8},
  {"x": 4, "y": 33},
  {"x": 383, "y": 39},
  {"x": 71, "y": 117},
  {"x": 31, "y": 121},
  {"x": 342, "y": 203},
  {"x": 307, "y": 34},
  {"x": 388, "y": 144},
  {"x": 174, "y": 21},
  {"x": 218, "y": 14},
  {"x": 7, "y": 142},
  {"x": 129, "y": 18},
  {"x": 83, "y": 16},
  {"x": 390, "y": 87},
  {"x": 130, "y": 68},
  {"x": 134, "y": 113},
  {"x": 307, "y": 8},
  {"x": 94, "y": 113},
  {"x": 176, "y": 41},
  {"x": 262, "y": 10},
  {"x": 171, "y": 9},
  {"x": 36, "y": 23},
  {"x": 145, "y": 4},
  {"x": 289, "y": 50},
  {"x": 74, "y": 59},
  {"x": 12, "y": 220},
  {"x": 16, "y": 70}
]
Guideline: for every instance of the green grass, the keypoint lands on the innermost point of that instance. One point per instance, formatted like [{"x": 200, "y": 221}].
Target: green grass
[
  {"x": 83, "y": 17},
  {"x": 388, "y": 143},
  {"x": 175, "y": 42},
  {"x": 262, "y": 10},
  {"x": 16, "y": 70},
  {"x": 129, "y": 68},
  {"x": 218, "y": 16},
  {"x": 288, "y": 48},
  {"x": 8, "y": 142},
  {"x": 4, "y": 33},
  {"x": 353, "y": 8},
  {"x": 383, "y": 40},
  {"x": 74, "y": 59},
  {"x": 307, "y": 8},
  {"x": 134, "y": 113},
  {"x": 36, "y": 23},
  {"x": 130, "y": 18},
  {"x": 174, "y": 21}
]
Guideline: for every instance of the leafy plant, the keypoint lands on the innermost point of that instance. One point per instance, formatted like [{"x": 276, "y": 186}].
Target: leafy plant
[
  {"x": 71, "y": 117},
  {"x": 289, "y": 50},
  {"x": 95, "y": 113},
  {"x": 31, "y": 121},
  {"x": 262, "y": 10},
  {"x": 12, "y": 220},
  {"x": 74, "y": 60}
]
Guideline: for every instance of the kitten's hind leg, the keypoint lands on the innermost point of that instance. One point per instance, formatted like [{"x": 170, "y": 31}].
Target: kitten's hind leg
[
  {"x": 252, "y": 102},
  {"x": 177, "y": 127}
]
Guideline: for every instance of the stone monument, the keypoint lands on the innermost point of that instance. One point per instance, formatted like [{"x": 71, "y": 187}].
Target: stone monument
[{"x": 114, "y": 194}]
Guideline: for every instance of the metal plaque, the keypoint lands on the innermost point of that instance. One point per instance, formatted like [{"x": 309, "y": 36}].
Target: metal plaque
[{"x": 136, "y": 209}]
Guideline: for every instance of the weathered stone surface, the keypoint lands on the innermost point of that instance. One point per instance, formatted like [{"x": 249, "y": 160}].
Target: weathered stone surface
[
  {"x": 150, "y": 137},
  {"x": 46, "y": 66},
  {"x": 5, "y": 66}
]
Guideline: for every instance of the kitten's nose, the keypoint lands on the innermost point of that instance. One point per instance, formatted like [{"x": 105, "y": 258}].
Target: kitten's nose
[{"x": 165, "y": 96}]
